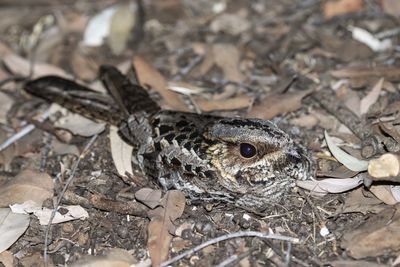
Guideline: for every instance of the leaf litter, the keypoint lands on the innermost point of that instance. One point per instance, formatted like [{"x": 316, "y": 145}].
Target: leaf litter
[{"x": 232, "y": 70}]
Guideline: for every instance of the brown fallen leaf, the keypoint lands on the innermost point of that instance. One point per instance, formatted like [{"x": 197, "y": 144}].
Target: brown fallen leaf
[
  {"x": 21, "y": 66},
  {"x": 383, "y": 193},
  {"x": 341, "y": 7},
  {"x": 27, "y": 185},
  {"x": 390, "y": 129},
  {"x": 18, "y": 148},
  {"x": 307, "y": 121},
  {"x": 239, "y": 102},
  {"x": 149, "y": 197},
  {"x": 378, "y": 235},
  {"x": 115, "y": 257},
  {"x": 7, "y": 258},
  {"x": 392, "y": 7},
  {"x": 362, "y": 201},
  {"x": 371, "y": 97},
  {"x": 84, "y": 67},
  {"x": 227, "y": 57},
  {"x": 161, "y": 226},
  {"x": 5, "y": 104},
  {"x": 278, "y": 104},
  {"x": 388, "y": 73},
  {"x": 151, "y": 78}
]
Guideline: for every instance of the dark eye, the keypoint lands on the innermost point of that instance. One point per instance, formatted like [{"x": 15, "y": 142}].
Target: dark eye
[{"x": 247, "y": 150}]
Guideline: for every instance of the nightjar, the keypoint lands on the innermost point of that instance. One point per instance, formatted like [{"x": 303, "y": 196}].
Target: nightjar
[{"x": 249, "y": 163}]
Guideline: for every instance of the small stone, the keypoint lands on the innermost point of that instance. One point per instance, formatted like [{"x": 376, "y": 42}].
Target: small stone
[
  {"x": 122, "y": 232},
  {"x": 68, "y": 228}
]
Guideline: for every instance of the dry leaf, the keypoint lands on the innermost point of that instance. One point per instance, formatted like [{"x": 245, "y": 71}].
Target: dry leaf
[
  {"x": 233, "y": 24},
  {"x": 12, "y": 226},
  {"x": 239, "y": 102},
  {"x": 278, "y": 104},
  {"x": 395, "y": 190},
  {"x": 121, "y": 153},
  {"x": 122, "y": 23},
  {"x": 75, "y": 123},
  {"x": 384, "y": 193},
  {"x": 307, "y": 121},
  {"x": 331, "y": 185},
  {"x": 98, "y": 27},
  {"x": 115, "y": 257},
  {"x": 5, "y": 104},
  {"x": 371, "y": 97},
  {"x": 227, "y": 57},
  {"x": 152, "y": 78},
  {"x": 390, "y": 129},
  {"x": 27, "y": 185},
  {"x": 7, "y": 259},
  {"x": 341, "y": 7},
  {"x": 161, "y": 226},
  {"x": 359, "y": 201},
  {"x": 378, "y": 235},
  {"x": 347, "y": 160},
  {"x": 83, "y": 66},
  {"x": 63, "y": 214},
  {"x": 388, "y": 73},
  {"x": 391, "y": 7},
  {"x": 150, "y": 197},
  {"x": 20, "y": 147},
  {"x": 21, "y": 66}
]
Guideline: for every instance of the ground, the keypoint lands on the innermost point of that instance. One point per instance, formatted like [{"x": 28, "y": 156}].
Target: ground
[{"x": 263, "y": 59}]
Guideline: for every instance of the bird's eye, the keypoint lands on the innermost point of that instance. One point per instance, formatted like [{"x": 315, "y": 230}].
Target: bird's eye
[{"x": 247, "y": 150}]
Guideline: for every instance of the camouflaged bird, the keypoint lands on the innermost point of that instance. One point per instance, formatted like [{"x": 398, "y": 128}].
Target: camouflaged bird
[{"x": 250, "y": 163}]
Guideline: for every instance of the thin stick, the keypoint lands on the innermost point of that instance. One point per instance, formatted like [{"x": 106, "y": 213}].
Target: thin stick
[
  {"x": 60, "y": 197},
  {"x": 24, "y": 131},
  {"x": 229, "y": 236}
]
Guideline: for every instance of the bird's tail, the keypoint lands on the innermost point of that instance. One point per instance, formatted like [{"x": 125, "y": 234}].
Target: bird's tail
[{"x": 125, "y": 97}]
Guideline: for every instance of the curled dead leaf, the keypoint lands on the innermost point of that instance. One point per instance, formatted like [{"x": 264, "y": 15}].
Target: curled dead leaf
[{"x": 347, "y": 160}]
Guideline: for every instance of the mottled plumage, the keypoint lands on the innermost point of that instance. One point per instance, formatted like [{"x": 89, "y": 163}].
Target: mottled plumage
[{"x": 247, "y": 162}]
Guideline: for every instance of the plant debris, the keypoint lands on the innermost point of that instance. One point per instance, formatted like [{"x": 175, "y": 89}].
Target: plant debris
[{"x": 326, "y": 72}]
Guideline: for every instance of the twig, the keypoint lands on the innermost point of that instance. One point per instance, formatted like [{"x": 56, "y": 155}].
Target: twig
[
  {"x": 226, "y": 237},
  {"x": 102, "y": 203},
  {"x": 288, "y": 254},
  {"x": 235, "y": 258},
  {"x": 45, "y": 151},
  {"x": 24, "y": 131},
  {"x": 372, "y": 143},
  {"x": 60, "y": 197}
]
